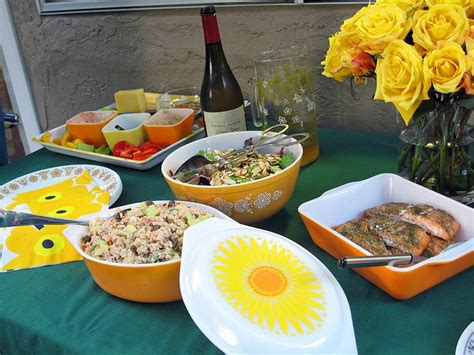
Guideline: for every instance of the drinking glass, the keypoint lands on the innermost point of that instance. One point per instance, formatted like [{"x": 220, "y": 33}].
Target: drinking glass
[
  {"x": 188, "y": 97},
  {"x": 285, "y": 93}
]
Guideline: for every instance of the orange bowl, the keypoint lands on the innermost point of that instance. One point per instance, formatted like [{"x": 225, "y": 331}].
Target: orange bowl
[
  {"x": 169, "y": 126},
  {"x": 349, "y": 201},
  {"x": 152, "y": 283},
  {"x": 88, "y": 126}
]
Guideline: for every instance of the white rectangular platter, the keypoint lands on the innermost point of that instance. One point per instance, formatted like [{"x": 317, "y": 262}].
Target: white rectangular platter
[{"x": 148, "y": 163}]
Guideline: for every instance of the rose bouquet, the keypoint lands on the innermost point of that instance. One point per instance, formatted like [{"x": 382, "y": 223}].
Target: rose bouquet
[{"x": 421, "y": 54}]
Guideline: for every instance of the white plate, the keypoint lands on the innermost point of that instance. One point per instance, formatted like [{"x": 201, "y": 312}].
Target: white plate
[
  {"x": 105, "y": 178},
  {"x": 294, "y": 302},
  {"x": 155, "y": 159},
  {"x": 465, "y": 344}
]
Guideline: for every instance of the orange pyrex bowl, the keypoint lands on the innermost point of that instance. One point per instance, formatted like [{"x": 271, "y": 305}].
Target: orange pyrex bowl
[
  {"x": 88, "y": 126},
  {"x": 152, "y": 283},
  {"x": 248, "y": 202},
  {"x": 349, "y": 201},
  {"x": 161, "y": 130}
]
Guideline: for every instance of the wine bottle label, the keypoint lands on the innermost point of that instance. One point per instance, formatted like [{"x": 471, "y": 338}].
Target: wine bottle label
[{"x": 225, "y": 121}]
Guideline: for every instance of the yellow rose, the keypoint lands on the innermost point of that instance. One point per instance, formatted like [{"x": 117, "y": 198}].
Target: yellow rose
[
  {"x": 439, "y": 23},
  {"x": 400, "y": 78},
  {"x": 446, "y": 67},
  {"x": 349, "y": 28},
  {"x": 409, "y": 6},
  {"x": 468, "y": 81},
  {"x": 337, "y": 63},
  {"x": 471, "y": 27},
  {"x": 380, "y": 25},
  {"x": 467, "y": 5}
]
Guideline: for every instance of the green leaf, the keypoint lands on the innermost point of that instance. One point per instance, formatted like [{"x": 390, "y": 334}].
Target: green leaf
[
  {"x": 207, "y": 153},
  {"x": 425, "y": 107},
  {"x": 467, "y": 103},
  {"x": 286, "y": 160}
]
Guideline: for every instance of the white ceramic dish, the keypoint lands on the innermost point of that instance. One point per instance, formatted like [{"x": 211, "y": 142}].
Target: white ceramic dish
[
  {"x": 253, "y": 291},
  {"x": 347, "y": 202},
  {"x": 152, "y": 161},
  {"x": 105, "y": 178},
  {"x": 465, "y": 345}
]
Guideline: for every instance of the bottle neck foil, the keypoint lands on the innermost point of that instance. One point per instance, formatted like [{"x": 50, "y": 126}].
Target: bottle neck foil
[{"x": 211, "y": 30}]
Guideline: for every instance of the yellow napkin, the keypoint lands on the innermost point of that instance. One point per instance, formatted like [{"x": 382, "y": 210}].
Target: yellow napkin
[{"x": 32, "y": 246}]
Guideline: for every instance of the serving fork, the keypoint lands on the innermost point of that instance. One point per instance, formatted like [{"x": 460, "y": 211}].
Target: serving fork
[
  {"x": 350, "y": 262},
  {"x": 15, "y": 219}
]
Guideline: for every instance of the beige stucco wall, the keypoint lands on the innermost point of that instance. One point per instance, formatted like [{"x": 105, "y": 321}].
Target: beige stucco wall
[{"x": 77, "y": 62}]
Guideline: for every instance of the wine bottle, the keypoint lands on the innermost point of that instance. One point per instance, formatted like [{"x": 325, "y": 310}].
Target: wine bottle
[{"x": 222, "y": 103}]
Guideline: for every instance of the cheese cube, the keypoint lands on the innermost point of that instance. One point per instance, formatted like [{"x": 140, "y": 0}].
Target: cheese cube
[{"x": 130, "y": 100}]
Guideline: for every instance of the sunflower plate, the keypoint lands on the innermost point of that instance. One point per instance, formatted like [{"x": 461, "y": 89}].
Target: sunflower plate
[{"x": 250, "y": 290}]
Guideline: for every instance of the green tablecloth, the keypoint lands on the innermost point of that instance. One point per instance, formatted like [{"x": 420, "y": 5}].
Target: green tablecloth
[{"x": 59, "y": 309}]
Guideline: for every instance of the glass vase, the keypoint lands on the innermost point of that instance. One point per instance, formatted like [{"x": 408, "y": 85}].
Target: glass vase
[
  {"x": 285, "y": 93},
  {"x": 436, "y": 150}
]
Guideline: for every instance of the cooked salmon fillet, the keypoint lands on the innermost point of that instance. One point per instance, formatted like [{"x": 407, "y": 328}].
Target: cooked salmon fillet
[
  {"x": 394, "y": 209},
  {"x": 436, "y": 246},
  {"x": 437, "y": 222},
  {"x": 403, "y": 236},
  {"x": 395, "y": 251},
  {"x": 399, "y": 228},
  {"x": 358, "y": 231}
]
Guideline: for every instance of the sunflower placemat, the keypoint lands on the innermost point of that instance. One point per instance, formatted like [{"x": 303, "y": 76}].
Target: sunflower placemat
[{"x": 70, "y": 197}]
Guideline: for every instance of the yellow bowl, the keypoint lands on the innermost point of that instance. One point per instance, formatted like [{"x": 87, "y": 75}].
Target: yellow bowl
[
  {"x": 153, "y": 283},
  {"x": 88, "y": 126},
  {"x": 126, "y": 127},
  {"x": 248, "y": 202}
]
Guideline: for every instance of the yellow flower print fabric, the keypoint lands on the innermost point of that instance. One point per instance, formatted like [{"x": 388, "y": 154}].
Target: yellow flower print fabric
[{"x": 31, "y": 246}]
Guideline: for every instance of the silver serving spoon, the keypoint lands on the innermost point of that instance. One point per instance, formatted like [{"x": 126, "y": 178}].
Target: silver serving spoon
[
  {"x": 350, "y": 262},
  {"x": 14, "y": 219},
  {"x": 199, "y": 165}
]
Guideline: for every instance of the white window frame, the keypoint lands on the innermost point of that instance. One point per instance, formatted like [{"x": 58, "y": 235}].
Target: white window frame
[
  {"x": 16, "y": 79},
  {"x": 46, "y": 7}
]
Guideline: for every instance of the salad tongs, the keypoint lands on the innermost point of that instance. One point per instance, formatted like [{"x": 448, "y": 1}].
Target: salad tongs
[{"x": 196, "y": 165}]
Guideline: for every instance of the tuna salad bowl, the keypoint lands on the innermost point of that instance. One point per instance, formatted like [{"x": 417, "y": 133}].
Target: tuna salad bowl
[{"x": 133, "y": 252}]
